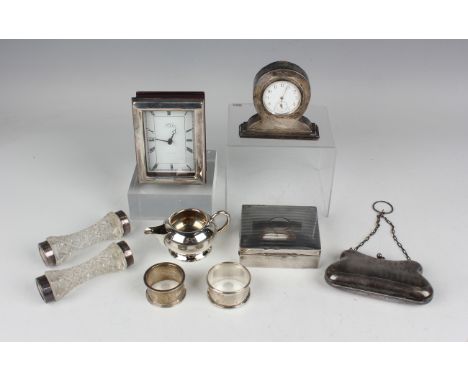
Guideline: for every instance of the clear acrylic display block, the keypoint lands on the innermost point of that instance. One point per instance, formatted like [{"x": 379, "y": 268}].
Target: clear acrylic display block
[
  {"x": 158, "y": 201},
  {"x": 279, "y": 171}
]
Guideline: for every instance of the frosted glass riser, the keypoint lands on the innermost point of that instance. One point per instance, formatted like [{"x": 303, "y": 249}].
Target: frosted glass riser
[
  {"x": 158, "y": 201},
  {"x": 286, "y": 176}
]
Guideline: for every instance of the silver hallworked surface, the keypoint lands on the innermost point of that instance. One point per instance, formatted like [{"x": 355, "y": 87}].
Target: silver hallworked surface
[
  {"x": 162, "y": 272},
  {"x": 236, "y": 277},
  {"x": 166, "y": 101},
  {"x": 397, "y": 280},
  {"x": 389, "y": 279},
  {"x": 111, "y": 259},
  {"x": 188, "y": 234},
  {"x": 108, "y": 228},
  {"x": 293, "y": 125},
  {"x": 279, "y": 236}
]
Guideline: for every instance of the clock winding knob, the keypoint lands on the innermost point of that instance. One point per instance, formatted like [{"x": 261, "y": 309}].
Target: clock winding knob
[{"x": 56, "y": 249}]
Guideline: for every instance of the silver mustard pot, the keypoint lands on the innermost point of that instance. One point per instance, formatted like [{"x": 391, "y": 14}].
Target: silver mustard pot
[{"x": 188, "y": 234}]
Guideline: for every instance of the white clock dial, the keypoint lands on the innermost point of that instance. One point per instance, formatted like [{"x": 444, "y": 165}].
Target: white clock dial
[
  {"x": 281, "y": 98},
  {"x": 169, "y": 140}
]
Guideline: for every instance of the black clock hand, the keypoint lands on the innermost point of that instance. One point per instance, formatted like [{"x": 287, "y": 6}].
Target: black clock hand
[
  {"x": 170, "y": 140},
  {"x": 282, "y": 97}
]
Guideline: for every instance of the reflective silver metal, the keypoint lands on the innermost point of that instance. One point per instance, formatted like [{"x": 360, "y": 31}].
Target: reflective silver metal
[
  {"x": 169, "y": 101},
  {"x": 54, "y": 285},
  {"x": 376, "y": 276},
  {"x": 288, "y": 126},
  {"x": 382, "y": 210},
  {"x": 381, "y": 215},
  {"x": 56, "y": 249},
  {"x": 125, "y": 221},
  {"x": 188, "y": 234},
  {"x": 279, "y": 236},
  {"x": 228, "y": 284},
  {"x": 165, "y": 284},
  {"x": 389, "y": 279}
]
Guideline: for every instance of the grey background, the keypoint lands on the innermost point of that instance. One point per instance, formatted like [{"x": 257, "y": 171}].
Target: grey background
[{"x": 399, "y": 113}]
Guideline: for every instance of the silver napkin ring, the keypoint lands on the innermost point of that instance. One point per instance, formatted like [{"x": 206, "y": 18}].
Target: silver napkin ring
[
  {"x": 228, "y": 284},
  {"x": 165, "y": 284}
]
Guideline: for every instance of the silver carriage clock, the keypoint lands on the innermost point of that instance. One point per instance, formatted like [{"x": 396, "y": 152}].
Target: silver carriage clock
[
  {"x": 281, "y": 95},
  {"x": 170, "y": 137}
]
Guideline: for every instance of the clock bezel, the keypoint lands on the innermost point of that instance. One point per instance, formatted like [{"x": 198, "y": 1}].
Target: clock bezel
[
  {"x": 170, "y": 101},
  {"x": 289, "y": 84}
]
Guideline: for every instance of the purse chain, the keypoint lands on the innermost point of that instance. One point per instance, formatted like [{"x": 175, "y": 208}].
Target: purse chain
[{"x": 381, "y": 215}]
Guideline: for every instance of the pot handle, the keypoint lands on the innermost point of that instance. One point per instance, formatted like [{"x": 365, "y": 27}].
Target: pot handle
[{"x": 217, "y": 213}]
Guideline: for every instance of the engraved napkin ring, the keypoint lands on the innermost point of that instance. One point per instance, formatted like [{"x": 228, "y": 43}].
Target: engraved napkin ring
[
  {"x": 56, "y": 249},
  {"x": 228, "y": 284},
  {"x": 165, "y": 284}
]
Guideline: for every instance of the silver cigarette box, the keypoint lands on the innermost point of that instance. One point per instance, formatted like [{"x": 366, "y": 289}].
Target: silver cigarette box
[{"x": 279, "y": 236}]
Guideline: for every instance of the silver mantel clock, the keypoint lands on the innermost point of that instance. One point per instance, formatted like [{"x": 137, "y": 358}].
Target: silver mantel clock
[
  {"x": 170, "y": 137},
  {"x": 281, "y": 95}
]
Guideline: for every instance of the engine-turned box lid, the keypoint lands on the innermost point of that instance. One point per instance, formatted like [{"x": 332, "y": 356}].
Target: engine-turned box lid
[{"x": 279, "y": 236}]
